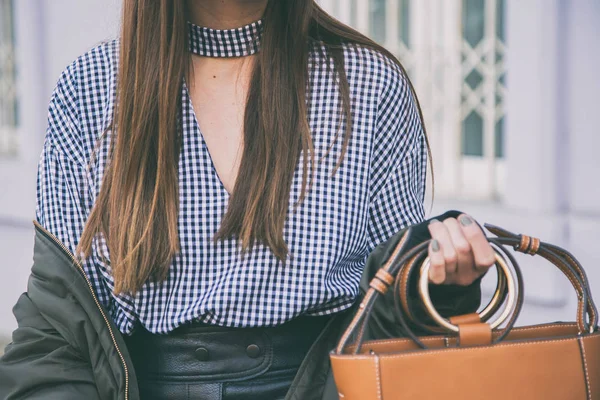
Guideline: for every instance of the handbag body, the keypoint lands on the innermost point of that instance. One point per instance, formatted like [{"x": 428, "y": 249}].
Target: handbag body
[{"x": 470, "y": 357}]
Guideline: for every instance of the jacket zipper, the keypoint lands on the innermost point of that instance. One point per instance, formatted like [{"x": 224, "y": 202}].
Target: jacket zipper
[{"x": 80, "y": 267}]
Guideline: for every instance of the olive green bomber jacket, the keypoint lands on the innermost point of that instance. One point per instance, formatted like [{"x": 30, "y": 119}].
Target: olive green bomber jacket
[{"x": 67, "y": 347}]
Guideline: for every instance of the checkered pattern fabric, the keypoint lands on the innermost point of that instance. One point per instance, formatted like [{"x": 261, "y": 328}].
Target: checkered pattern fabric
[
  {"x": 378, "y": 190},
  {"x": 237, "y": 42}
]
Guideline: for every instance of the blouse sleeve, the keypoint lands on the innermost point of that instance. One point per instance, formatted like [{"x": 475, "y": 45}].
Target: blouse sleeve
[
  {"x": 399, "y": 162},
  {"x": 63, "y": 195},
  {"x": 61, "y": 174}
]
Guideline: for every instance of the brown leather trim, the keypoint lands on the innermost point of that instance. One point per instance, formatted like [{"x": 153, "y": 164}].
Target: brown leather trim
[
  {"x": 591, "y": 345},
  {"x": 561, "y": 330},
  {"x": 354, "y": 321},
  {"x": 378, "y": 285},
  {"x": 535, "y": 245},
  {"x": 370, "y": 380},
  {"x": 472, "y": 318},
  {"x": 475, "y": 349},
  {"x": 378, "y": 377},
  {"x": 477, "y": 334},
  {"x": 385, "y": 276},
  {"x": 524, "y": 244},
  {"x": 585, "y": 368},
  {"x": 397, "y": 251}
]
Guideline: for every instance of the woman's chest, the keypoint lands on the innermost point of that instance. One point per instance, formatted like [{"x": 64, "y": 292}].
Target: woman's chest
[
  {"x": 334, "y": 210},
  {"x": 216, "y": 96}
]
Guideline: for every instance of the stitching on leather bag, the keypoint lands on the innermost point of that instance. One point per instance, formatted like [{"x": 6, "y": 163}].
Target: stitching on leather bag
[
  {"x": 386, "y": 341},
  {"x": 435, "y": 338},
  {"x": 580, "y": 309},
  {"x": 377, "y": 377},
  {"x": 421, "y": 353},
  {"x": 539, "y": 328},
  {"x": 585, "y": 369}
]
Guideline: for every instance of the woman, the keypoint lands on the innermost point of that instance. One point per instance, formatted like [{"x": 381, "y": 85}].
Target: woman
[{"x": 202, "y": 219}]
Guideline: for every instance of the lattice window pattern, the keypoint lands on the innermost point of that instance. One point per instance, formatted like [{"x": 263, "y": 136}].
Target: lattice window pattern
[
  {"x": 454, "y": 53},
  {"x": 483, "y": 71}
]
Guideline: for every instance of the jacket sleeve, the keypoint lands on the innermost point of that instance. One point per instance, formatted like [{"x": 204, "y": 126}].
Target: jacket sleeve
[{"x": 40, "y": 363}]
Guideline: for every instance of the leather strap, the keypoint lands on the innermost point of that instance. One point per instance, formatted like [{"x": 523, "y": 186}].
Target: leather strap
[
  {"x": 564, "y": 261},
  {"x": 474, "y": 334},
  {"x": 472, "y": 318}
]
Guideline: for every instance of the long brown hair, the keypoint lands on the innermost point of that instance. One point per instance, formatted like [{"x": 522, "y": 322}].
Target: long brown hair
[{"x": 137, "y": 206}]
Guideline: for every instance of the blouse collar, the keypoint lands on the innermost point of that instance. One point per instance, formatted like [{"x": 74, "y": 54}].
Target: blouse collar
[{"x": 234, "y": 42}]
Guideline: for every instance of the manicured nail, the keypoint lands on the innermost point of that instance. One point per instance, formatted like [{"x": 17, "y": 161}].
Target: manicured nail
[
  {"x": 435, "y": 245},
  {"x": 434, "y": 220},
  {"x": 465, "y": 221}
]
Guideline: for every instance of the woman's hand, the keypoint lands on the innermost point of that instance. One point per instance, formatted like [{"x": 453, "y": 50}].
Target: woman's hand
[{"x": 459, "y": 251}]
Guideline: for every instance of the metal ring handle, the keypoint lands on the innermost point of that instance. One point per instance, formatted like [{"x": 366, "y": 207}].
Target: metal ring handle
[
  {"x": 498, "y": 297},
  {"x": 510, "y": 300},
  {"x": 489, "y": 311}
]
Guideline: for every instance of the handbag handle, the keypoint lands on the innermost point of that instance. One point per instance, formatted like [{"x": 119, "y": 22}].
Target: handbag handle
[
  {"x": 393, "y": 267},
  {"x": 503, "y": 270},
  {"x": 401, "y": 302},
  {"x": 560, "y": 257},
  {"x": 564, "y": 260}
]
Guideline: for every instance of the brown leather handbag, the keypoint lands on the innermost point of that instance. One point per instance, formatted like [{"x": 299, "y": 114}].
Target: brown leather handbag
[{"x": 470, "y": 356}]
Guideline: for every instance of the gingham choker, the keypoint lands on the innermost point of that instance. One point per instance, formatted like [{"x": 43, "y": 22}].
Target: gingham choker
[{"x": 234, "y": 42}]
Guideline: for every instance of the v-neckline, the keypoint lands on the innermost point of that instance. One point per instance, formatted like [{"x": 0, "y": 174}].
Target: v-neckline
[{"x": 214, "y": 173}]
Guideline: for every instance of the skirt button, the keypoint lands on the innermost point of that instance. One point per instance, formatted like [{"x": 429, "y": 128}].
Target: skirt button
[
  {"x": 201, "y": 353},
  {"x": 253, "y": 351}
]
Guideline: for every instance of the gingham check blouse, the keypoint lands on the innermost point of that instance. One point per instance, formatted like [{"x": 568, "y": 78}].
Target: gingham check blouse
[{"x": 378, "y": 190}]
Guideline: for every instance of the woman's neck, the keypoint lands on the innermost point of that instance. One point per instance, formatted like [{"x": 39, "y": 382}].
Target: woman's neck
[{"x": 226, "y": 14}]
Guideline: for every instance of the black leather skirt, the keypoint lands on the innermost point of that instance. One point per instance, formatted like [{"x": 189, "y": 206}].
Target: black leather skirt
[{"x": 201, "y": 361}]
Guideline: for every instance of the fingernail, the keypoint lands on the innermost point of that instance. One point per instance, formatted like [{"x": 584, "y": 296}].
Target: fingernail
[
  {"x": 465, "y": 221},
  {"x": 435, "y": 245},
  {"x": 434, "y": 220}
]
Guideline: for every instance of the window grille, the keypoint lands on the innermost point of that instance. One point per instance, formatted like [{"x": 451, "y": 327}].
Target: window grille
[{"x": 454, "y": 52}]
